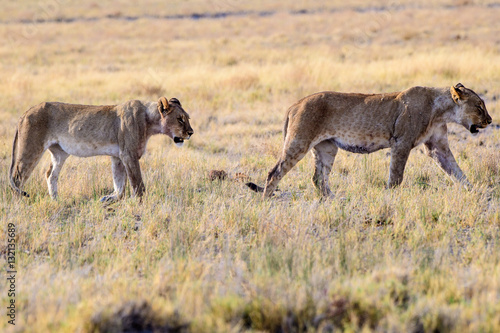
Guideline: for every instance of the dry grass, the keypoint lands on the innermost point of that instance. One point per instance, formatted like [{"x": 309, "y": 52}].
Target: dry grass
[{"x": 203, "y": 256}]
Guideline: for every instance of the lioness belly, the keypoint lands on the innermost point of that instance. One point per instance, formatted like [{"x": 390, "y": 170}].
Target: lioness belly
[
  {"x": 86, "y": 148},
  {"x": 359, "y": 145}
]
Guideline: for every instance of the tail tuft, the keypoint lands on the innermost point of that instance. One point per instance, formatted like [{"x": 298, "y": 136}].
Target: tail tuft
[{"x": 255, "y": 187}]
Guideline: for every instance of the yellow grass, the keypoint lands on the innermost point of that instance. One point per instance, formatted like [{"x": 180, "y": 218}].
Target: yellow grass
[{"x": 202, "y": 256}]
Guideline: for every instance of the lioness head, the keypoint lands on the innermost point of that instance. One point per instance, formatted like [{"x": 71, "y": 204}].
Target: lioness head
[
  {"x": 472, "y": 112},
  {"x": 174, "y": 120}
]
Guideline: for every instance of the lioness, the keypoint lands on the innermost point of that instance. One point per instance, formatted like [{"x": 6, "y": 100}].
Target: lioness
[
  {"x": 363, "y": 124},
  {"x": 120, "y": 131}
]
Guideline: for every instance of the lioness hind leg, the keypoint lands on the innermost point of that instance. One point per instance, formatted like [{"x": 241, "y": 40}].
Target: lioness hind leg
[
  {"x": 291, "y": 156},
  {"x": 58, "y": 156},
  {"x": 119, "y": 180},
  {"x": 324, "y": 155}
]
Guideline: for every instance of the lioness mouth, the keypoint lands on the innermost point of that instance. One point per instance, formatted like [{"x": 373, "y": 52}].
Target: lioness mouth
[
  {"x": 474, "y": 129},
  {"x": 178, "y": 140}
]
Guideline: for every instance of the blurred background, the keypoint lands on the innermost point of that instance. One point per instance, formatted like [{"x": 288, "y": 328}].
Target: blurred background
[{"x": 211, "y": 256}]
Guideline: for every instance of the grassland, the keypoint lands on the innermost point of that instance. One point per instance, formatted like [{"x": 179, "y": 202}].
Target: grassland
[{"x": 202, "y": 256}]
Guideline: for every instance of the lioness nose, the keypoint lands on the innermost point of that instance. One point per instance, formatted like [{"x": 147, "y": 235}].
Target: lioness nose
[
  {"x": 190, "y": 132},
  {"x": 489, "y": 120}
]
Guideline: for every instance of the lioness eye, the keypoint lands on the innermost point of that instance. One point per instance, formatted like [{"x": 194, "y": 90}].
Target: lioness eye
[{"x": 180, "y": 120}]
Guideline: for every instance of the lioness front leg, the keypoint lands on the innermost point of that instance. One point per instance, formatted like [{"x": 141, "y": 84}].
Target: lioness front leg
[
  {"x": 133, "y": 169},
  {"x": 119, "y": 180},
  {"x": 438, "y": 149},
  {"x": 399, "y": 157}
]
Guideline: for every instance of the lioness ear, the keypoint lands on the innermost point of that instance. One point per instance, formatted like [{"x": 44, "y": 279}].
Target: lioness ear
[
  {"x": 162, "y": 105},
  {"x": 456, "y": 94},
  {"x": 175, "y": 101}
]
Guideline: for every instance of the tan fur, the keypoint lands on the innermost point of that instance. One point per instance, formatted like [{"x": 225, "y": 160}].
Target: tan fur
[
  {"x": 359, "y": 123},
  {"x": 120, "y": 131}
]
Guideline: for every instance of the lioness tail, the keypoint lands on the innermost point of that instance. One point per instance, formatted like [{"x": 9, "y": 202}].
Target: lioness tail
[
  {"x": 255, "y": 187},
  {"x": 11, "y": 171}
]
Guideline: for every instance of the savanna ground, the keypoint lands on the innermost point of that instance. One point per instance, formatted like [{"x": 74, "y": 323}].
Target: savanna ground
[{"x": 202, "y": 256}]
